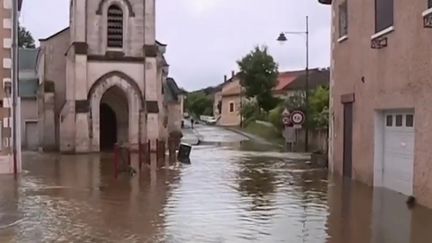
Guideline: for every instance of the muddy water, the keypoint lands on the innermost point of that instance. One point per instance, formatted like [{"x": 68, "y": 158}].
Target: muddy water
[{"x": 231, "y": 193}]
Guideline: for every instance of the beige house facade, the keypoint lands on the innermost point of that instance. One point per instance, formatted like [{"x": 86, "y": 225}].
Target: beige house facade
[
  {"x": 231, "y": 98},
  {"x": 102, "y": 79},
  {"x": 380, "y": 94}
]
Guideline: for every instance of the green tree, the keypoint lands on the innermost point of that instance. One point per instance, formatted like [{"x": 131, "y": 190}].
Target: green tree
[
  {"x": 199, "y": 104},
  {"x": 250, "y": 110},
  {"x": 259, "y": 73},
  {"x": 296, "y": 102},
  {"x": 319, "y": 107},
  {"x": 25, "y": 38}
]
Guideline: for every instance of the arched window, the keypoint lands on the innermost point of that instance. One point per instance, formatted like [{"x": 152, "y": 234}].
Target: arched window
[{"x": 115, "y": 27}]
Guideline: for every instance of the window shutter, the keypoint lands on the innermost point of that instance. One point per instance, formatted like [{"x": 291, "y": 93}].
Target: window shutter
[{"x": 115, "y": 27}]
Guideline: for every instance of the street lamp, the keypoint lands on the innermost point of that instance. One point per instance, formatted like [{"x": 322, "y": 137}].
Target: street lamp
[{"x": 282, "y": 38}]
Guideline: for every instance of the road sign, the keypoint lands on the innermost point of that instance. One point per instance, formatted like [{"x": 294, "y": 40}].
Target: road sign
[
  {"x": 286, "y": 113},
  {"x": 286, "y": 120},
  {"x": 298, "y": 117}
]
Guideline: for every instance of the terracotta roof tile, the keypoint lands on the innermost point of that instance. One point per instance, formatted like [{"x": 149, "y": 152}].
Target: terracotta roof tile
[{"x": 285, "y": 79}]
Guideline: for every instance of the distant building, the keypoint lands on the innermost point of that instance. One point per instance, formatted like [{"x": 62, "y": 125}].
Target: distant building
[
  {"x": 28, "y": 88},
  {"x": 174, "y": 99},
  {"x": 231, "y": 98},
  {"x": 291, "y": 83}
]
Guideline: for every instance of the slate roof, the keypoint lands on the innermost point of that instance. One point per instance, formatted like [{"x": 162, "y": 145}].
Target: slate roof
[{"x": 172, "y": 91}]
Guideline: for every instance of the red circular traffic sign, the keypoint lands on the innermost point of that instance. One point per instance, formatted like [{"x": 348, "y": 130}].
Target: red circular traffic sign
[{"x": 298, "y": 117}]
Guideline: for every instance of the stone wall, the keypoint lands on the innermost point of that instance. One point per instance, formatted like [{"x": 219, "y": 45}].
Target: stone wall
[
  {"x": 133, "y": 31},
  {"x": 52, "y": 71}
]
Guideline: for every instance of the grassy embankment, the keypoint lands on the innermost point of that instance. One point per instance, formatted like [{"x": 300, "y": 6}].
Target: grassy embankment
[{"x": 270, "y": 134}]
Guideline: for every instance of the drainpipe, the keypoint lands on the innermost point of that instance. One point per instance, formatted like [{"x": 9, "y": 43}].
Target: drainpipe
[{"x": 14, "y": 84}]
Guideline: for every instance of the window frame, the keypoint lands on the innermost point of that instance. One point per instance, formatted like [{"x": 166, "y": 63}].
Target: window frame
[
  {"x": 231, "y": 107},
  {"x": 121, "y": 46},
  {"x": 399, "y": 123},
  {"x": 409, "y": 122},
  {"x": 343, "y": 8},
  {"x": 380, "y": 16},
  {"x": 389, "y": 120}
]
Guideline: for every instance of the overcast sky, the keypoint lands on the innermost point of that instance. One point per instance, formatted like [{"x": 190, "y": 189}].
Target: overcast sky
[{"x": 206, "y": 37}]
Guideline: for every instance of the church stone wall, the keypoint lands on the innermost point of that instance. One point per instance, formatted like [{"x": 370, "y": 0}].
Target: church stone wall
[
  {"x": 52, "y": 68},
  {"x": 54, "y": 54},
  {"x": 133, "y": 30},
  {"x": 98, "y": 69}
]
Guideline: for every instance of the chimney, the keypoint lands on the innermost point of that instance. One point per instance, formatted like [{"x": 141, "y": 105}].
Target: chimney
[
  {"x": 225, "y": 79},
  {"x": 232, "y": 74}
]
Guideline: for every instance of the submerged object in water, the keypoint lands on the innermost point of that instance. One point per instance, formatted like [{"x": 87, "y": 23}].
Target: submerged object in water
[{"x": 184, "y": 153}]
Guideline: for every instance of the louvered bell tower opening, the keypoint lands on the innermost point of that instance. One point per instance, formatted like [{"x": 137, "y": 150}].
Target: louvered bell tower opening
[{"x": 115, "y": 27}]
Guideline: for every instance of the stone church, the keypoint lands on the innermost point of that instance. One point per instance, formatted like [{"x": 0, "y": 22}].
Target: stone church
[{"x": 103, "y": 80}]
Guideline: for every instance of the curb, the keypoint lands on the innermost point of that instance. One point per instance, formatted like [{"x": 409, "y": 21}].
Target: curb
[{"x": 252, "y": 137}]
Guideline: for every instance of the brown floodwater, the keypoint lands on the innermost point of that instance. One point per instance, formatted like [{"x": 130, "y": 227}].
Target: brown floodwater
[{"x": 232, "y": 192}]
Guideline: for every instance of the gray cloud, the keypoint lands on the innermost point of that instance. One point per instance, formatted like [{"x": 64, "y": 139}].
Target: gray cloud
[{"x": 206, "y": 37}]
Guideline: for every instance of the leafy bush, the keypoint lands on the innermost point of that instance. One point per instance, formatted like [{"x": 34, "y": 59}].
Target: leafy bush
[
  {"x": 275, "y": 117},
  {"x": 250, "y": 110},
  {"x": 319, "y": 107},
  {"x": 199, "y": 103}
]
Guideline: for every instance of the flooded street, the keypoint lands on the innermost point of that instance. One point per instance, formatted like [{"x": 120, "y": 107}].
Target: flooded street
[{"x": 234, "y": 191}]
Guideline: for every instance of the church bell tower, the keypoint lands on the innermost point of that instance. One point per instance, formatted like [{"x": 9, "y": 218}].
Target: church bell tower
[{"x": 112, "y": 43}]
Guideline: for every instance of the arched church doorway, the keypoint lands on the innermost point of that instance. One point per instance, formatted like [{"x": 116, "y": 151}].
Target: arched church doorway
[
  {"x": 108, "y": 127},
  {"x": 114, "y": 118}
]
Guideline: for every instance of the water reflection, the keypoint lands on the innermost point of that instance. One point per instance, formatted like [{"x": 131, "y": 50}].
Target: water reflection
[
  {"x": 230, "y": 193},
  {"x": 358, "y": 214},
  {"x": 76, "y": 199}
]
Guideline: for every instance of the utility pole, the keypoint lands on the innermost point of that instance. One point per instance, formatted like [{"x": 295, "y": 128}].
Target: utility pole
[
  {"x": 14, "y": 85},
  {"x": 282, "y": 38},
  {"x": 307, "y": 87}
]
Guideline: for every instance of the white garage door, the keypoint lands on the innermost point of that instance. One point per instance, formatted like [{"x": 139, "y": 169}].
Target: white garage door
[{"x": 399, "y": 152}]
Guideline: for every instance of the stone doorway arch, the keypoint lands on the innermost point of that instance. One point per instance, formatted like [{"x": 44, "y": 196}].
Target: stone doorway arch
[{"x": 116, "y": 84}]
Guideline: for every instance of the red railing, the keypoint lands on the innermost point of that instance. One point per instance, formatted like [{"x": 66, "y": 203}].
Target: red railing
[{"x": 123, "y": 157}]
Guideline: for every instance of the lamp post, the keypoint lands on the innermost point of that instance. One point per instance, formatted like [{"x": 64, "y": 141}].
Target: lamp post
[{"x": 282, "y": 38}]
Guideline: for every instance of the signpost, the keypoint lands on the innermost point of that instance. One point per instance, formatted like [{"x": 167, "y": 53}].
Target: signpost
[
  {"x": 298, "y": 118},
  {"x": 292, "y": 121}
]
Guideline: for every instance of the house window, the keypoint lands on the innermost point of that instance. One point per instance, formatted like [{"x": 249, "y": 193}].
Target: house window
[
  {"x": 115, "y": 27},
  {"x": 343, "y": 19},
  {"x": 389, "y": 121},
  {"x": 409, "y": 121},
  {"x": 399, "y": 120},
  {"x": 231, "y": 107},
  {"x": 383, "y": 14}
]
